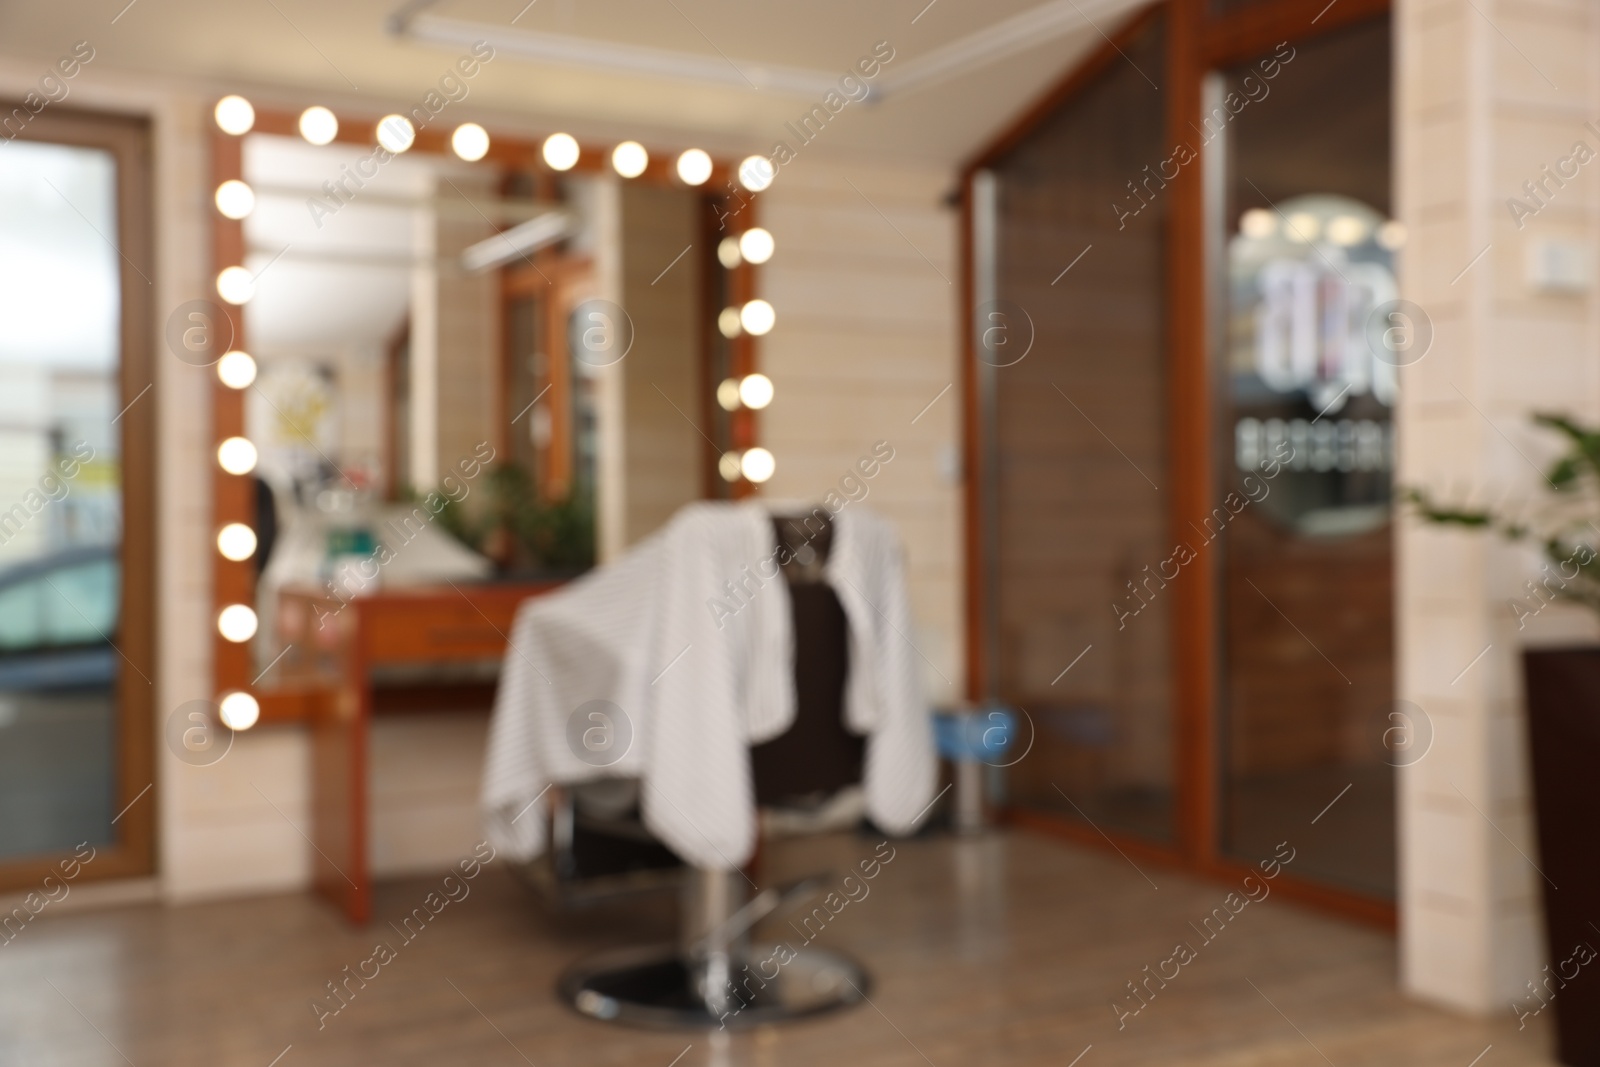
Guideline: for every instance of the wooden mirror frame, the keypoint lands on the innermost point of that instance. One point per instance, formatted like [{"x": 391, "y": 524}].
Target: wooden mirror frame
[{"x": 233, "y": 496}]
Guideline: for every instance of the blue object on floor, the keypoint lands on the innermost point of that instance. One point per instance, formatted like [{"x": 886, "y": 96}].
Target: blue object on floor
[{"x": 978, "y": 734}]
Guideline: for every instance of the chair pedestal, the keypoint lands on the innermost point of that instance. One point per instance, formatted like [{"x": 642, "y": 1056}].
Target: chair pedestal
[
  {"x": 657, "y": 987},
  {"x": 712, "y": 979}
]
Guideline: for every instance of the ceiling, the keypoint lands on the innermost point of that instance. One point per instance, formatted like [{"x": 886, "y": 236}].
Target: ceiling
[{"x": 347, "y": 55}]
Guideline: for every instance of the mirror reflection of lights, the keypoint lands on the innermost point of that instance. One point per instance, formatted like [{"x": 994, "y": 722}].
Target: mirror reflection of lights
[
  {"x": 756, "y": 173},
  {"x": 234, "y": 115},
  {"x": 728, "y": 466},
  {"x": 396, "y": 134},
  {"x": 235, "y": 199},
  {"x": 318, "y": 125},
  {"x": 236, "y": 369},
  {"x": 470, "y": 141},
  {"x": 756, "y": 245},
  {"x": 560, "y": 151},
  {"x": 236, "y": 542},
  {"x": 237, "y": 623},
  {"x": 757, "y": 318},
  {"x": 236, "y": 285},
  {"x": 1347, "y": 230},
  {"x": 757, "y": 465},
  {"x": 755, "y": 390},
  {"x": 1258, "y": 223},
  {"x": 1303, "y": 227},
  {"x": 629, "y": 159},
  {"x": 728, "y": 394},
  {"x": 728, "y": 323},
  {"x": 728, "y": 252},
  {"x": 236, "y": 455},
  {"x": 694, "y": 167},
  {"x": 239, "y": 711}
]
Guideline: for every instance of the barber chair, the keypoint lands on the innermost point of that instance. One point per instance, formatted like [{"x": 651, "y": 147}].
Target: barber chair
[{"x": 805, "y": 780}]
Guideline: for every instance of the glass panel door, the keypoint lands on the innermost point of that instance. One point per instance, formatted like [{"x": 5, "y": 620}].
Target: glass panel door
[
  {"x": 60, "y": 497},
  {"x": 1304, "y": 273},
  {"x": 1072, "y": 356}
]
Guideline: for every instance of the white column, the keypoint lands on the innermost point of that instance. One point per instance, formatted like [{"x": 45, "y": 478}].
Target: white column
[{"x": 1487, "y": 94}]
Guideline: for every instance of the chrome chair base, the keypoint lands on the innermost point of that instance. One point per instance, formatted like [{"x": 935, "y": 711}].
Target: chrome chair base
[{"x": 657, "y": 986}]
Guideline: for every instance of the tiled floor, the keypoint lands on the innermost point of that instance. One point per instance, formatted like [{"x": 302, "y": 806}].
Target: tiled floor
[{"x": 1007, "y": 950}]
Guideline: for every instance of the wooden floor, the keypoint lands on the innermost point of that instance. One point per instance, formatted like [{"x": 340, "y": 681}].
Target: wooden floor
[{"x": 1007, "y": 950}]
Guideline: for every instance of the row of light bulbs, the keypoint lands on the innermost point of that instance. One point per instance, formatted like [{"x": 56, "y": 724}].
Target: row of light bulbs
[
  {"x": 395, "y": 133},
  {"x": 753, "y": 391},
  {"x": 237, "y": 542}
]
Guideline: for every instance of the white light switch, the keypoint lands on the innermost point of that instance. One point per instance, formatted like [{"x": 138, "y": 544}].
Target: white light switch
[{"x": 1560, "y": 267}]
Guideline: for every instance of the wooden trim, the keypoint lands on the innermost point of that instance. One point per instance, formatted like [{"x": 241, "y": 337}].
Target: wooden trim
[
  {"x": 710, "y": 412},
  {"x": 136, "y": 794},
  {"x": 746, "y": 350},
  {"x": 972, "y": 454},
  {"x": 1189, "y": 399},
  {"x": 233, "y": 497},
  {"x": 1241, "y": 36},
  {"x": 1080, "y": 77}
]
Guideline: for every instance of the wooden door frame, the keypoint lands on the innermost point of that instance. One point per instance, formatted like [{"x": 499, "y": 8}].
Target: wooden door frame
[
  {"x": 1197, "y": 42},
  {"x": 133, "y": 851}
]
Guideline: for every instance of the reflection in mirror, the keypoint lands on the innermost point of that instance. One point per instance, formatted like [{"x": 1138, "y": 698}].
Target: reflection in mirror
[{"x": 469, "y": 372}]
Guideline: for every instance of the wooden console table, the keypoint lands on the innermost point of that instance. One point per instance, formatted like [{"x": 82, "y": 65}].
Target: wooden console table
[{"x": 451, "y": 635}]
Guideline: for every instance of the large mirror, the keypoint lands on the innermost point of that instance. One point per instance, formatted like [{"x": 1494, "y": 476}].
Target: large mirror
[{"x": 472, "y": 371}]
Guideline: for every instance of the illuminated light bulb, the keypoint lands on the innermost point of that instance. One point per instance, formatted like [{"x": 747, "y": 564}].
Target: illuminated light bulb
[
  {"x": 470, "y": 142},
  {"x": 236, "y": 285},
  {"x": 728, "y": 466},
  {"x": 728, "y": 323},
  {"x": 728, "y": 394},
  {"x": 629, "y": 159},
  {"x": 236, "y": 369},
  {"x": 236, "y": 542},
  {"x": 239, "y": 711},
  {"x": 1258, "y": 223},
  {"x": 756, "y": 245},
  {"x": 728, "y": 252},
  {"x": 236, "y": 455},
  {"x": 756, "y": 391},
  {"x": 1347, "y": 230},
  {"x": 234, "y": 115},
  {"x": 1392, "y": 235},
  {"x": 237, "y": 623},
  {"x": 756, "y": 173},
  {"x": 318, "y": 125},
  {"x": 757, "y": 465},
  {"x": 560, "y": 151},
  {"x": 694, "y": 167},
  {"x": 757, "y": 317},
  {"x": 396, "y": 134},
  {"x": 235, "y": 199},
  {"x": 1303, "y": 227}
]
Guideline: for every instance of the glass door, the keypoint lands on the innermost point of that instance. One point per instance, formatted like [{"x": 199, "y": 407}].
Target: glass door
[
  {"x": 1304, "y": 277},
  {"x": 76, "y": 663},
  {"x": 1072, "y": 366}
]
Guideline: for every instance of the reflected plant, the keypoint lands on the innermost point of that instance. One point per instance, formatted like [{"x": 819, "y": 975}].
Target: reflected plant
[
  {"x": 519, "y": 530},
  {"x": 1565, "y": 525}
]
